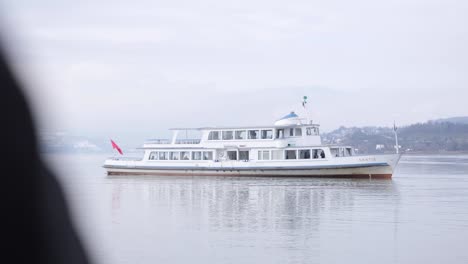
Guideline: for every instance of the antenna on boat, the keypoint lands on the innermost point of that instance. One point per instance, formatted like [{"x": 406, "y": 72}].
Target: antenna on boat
[{"x": 396, "y": 137}]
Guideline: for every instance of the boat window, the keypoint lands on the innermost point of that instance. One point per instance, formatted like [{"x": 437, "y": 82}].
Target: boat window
[
  {"x": 298, "y": 131},
  {"x": 349, "y": 151},
  {"x": 153, "y": 155},
  {"x": 291, "y": 132},
  {"x": 334, "y": 152},
  {"x": 244, "y": 155},
  {"x": 267, "y": 134},
  {"x": 207, "y": 155},
  {"x": 304, "y": 154},
  {"x": 196, "y": 155},
  {"x": 253, "y": 134},
  {"x": 240, "y": 134},
  {"x": 277, "y": 154},
  {"x": 315, "y": 154},
  {"x": 214, "y": 135},
  {"x": 263, "y": 154},
  {"x": 184, "y": 155},
  {"x": 280, "y": 133},
  {"x": 291, "y": 154},
  {"x": 162, "y": 155},
  {"x": 312, "y": 131},
  {"x": 227, "y": 135},
  {"x": 232, "y": 155},
  {"x": 174, "y": 155},
  {"x": 320, "y": 154}
]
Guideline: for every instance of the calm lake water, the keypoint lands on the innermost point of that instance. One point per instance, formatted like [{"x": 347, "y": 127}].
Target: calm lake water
[{"x": 420, "y": 216}]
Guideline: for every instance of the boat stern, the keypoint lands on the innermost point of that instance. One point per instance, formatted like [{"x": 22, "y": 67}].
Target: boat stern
[{"x": 115, "y": 164}]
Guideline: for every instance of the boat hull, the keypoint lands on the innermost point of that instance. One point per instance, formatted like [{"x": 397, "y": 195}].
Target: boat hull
[
  {"x": 380, "y": 172},
  {"x": 378, "y": 167}
]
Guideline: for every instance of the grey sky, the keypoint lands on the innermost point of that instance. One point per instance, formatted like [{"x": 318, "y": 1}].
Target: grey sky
[{"x": 135, "y": 68}]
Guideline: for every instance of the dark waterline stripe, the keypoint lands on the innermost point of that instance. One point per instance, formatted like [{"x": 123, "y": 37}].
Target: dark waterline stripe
[{"x": 366, "y": 165}]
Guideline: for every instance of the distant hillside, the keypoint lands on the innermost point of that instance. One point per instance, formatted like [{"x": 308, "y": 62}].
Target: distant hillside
[
  {"x": 456, "y": 120},
  {"x": 363, "y": 139},
  {"x": 435, "y": 136},
  {"x": 422, "y": 137}
]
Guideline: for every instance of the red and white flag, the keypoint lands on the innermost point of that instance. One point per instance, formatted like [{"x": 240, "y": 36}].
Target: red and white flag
[{"x": 115, "y": 146}]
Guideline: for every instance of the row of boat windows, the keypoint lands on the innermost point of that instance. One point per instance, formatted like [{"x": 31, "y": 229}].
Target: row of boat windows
[
  {"x": 240, "y": 134},
  {"x": 260, "y": 134},
  {"x": 291, "y": 154},
  {"x": 181, "y": 155},
  {"x": 243, "y": 155}
]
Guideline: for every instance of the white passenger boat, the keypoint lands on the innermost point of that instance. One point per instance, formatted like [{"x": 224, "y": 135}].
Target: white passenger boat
[{"x": 290, "y": 147}]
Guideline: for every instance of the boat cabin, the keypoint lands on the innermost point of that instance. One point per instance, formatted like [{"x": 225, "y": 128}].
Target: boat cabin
[{"x": 288, "y": 139}]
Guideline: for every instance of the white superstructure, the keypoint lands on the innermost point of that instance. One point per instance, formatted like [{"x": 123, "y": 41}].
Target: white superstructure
[{"x": 290, "y": 147}]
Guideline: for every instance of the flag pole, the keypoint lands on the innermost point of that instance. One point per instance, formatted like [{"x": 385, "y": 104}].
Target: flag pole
[
  {"x": 304, "y": 103},
  {"x": 113, "y": 150}
]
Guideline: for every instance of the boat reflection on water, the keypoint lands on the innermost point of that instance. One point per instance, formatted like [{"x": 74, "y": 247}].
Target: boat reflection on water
[
  {"x": 256, "y": 203},
  {"x": 257, "y": 220}
]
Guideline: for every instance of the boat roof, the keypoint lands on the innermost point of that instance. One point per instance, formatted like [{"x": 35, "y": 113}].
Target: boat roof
[
  {"x": 164, "y": 147},
  {"x": 290, "y": 115},
  {"x": 243, "y": 127}
]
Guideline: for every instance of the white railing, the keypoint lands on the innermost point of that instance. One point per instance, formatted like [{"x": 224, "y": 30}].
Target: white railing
[
  {"x": 188, "y": 141},
  {"x": 168, "y": 141},
  {"x": 126, "y": 158},
  {"x": 158, "y": 141}
]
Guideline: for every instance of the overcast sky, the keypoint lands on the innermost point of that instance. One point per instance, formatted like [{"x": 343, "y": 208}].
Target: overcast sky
[{"x": 135, "y": 68}]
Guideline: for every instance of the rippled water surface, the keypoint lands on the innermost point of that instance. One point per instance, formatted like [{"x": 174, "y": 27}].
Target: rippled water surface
[{"x": 420, "y": 216}]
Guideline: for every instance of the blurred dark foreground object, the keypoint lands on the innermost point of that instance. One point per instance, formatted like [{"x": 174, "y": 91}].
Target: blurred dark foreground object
[{"x": 36, "y": 225}]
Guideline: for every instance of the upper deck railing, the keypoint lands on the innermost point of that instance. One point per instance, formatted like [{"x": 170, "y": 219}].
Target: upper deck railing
[
  {"x": 126, "y": 158},
  {"x": 188, "y": 141},
  {"x": 158, "y": 141},
  {"x": 168, "y": 141}
]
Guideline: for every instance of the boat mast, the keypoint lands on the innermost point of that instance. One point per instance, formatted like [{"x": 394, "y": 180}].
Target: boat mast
[{"x": 396, "y": 137}]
